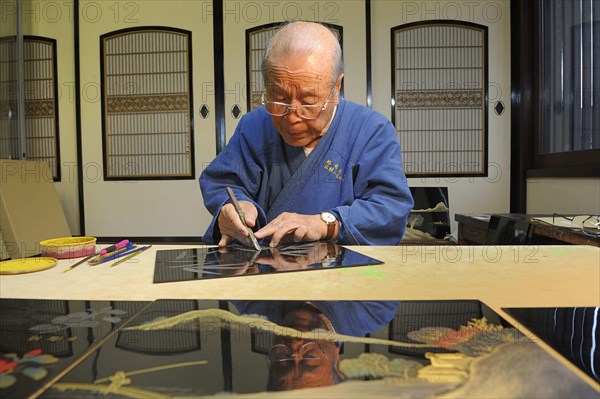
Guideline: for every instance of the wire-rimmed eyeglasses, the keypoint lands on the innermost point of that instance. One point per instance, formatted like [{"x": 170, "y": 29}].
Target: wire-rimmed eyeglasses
[
  {"x": 304, "y": 111},
  {"x": 311, "y": 353}
]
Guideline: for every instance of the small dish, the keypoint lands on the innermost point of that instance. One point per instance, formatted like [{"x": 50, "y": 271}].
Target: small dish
[{"x": 27, "y": 265}]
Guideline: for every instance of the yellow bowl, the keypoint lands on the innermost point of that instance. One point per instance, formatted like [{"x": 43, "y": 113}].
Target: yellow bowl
[{"x": 68, "y": 247}]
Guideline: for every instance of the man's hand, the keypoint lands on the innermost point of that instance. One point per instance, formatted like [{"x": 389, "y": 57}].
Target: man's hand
[
  {"x": 231, "y": 226},
  {"x": 282, "y": 262},
  {"x": 228, "y": 260},
  {"x": 294, "y": 227}
]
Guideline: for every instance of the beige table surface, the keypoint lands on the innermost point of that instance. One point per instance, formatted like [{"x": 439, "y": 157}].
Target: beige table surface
[{"x": 499, "y": 276}]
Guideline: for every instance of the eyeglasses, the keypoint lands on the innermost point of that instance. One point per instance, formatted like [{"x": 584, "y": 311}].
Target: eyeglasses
[
  {"x": 304, "y": 111},
  {"x": 311, "y": 353}
]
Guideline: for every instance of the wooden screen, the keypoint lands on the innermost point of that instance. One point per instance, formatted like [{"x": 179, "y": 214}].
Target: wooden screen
[
  {"x": 40, "y": 100},
  {"x": 147, "y": 104},
  {"x": 439, "y": 97},
  {"x": 9, "y": 129}
]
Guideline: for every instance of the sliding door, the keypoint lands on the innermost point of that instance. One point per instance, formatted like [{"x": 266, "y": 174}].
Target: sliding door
[
  {"x": 441, "y": 71},
  {"x": 147, "y": 114}
]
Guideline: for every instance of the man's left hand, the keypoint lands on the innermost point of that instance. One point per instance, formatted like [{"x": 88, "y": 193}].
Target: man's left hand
[{"x": 293, "y": 227}]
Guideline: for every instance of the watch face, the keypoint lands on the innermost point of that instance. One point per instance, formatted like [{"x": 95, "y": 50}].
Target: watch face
[{"x": 328, "y": 217}]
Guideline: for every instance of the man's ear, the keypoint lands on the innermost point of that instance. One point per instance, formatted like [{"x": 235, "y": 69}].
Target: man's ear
[
  {"x": 338, "y": 86},
  {"x": 338, "y": 375}
]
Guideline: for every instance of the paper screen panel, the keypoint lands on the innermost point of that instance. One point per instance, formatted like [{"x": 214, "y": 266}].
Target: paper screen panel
[
  {"x": 40, "y": 100},
  {"x": 440, "y": 98},
  {"x": 41, "y": 128},
  {"x": 147, "y": 104},
  {"x": 9, "y": 129}
]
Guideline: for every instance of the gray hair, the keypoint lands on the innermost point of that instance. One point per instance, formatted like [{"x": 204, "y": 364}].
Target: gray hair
[{"x": 302, "y": 38}]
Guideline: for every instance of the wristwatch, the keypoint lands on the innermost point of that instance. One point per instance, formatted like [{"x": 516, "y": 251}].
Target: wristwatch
[{"x": 330, "y": 220}]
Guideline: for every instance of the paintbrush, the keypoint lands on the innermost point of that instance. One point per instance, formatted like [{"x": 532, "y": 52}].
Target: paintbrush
[
  {"x": 240, "y": 213},
  {"x": 131, "y": 255},
  {"x": 113, "y": 254},
  {"x": 80, "y": 262}
]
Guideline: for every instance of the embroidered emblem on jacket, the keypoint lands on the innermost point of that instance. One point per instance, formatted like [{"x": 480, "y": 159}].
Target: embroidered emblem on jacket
[{"x": 336, "y": 169}]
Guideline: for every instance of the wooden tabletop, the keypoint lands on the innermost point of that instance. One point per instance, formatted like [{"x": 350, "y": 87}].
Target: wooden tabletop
[{"x": 500, "y": 276}]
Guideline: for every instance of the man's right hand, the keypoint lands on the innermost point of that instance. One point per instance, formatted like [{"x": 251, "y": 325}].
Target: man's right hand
[{"x": 231, "y": 225}]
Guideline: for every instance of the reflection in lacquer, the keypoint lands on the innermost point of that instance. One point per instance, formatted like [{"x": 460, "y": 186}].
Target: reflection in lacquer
[
  {"x": 188, "y": 348},
  {"x": 300, "y": 363},
  {"x": 313, "y": 360}
]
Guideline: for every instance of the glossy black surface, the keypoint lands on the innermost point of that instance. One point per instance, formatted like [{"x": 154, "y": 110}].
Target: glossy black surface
[
  {"x": 206, "y": 348},
  {"x": 39, "y": 339},
  {"x": 573, "y": 332},
  {"x": 237, "y": 260},
  {"x": 430, "y": 213},
  {"x": 189, "y": 348}
]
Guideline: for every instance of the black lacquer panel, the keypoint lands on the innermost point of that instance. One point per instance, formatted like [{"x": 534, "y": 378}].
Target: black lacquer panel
[
  {"x": 39, "y": 339},
  {"x": 237, "y": 260},
  {"x": 430, "y": 216},
  {"x": 206, "y": 348}
]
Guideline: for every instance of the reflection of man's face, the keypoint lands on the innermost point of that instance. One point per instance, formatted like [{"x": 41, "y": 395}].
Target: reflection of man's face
[{"x": 303, "y": 363}]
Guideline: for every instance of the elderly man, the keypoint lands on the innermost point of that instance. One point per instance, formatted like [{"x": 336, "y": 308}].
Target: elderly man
[{"x": 308, "y": 165}]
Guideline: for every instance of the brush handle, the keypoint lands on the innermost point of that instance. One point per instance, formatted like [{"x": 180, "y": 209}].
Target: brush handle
[
  {"x": 236, "y": 204},
  {"x": 131, "y": 255},
  {"x": 240, "y": 213}
]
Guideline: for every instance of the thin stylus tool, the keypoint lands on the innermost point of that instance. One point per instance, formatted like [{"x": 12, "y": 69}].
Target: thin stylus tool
[
  {"x": 80, "y": 262},
  {"x": 240, "y": 213},
  {"x": 132, "y": 254}
]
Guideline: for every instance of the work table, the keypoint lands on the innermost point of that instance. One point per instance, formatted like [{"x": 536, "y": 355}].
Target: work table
[
  {"x": 500, "y": 276},
  {"x": 505, "y": 278}
]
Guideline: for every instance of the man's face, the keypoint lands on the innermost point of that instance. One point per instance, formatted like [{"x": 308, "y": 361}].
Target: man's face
[
  {"x": 314, "y": 362},
  {"x": 302, "y": 81}
]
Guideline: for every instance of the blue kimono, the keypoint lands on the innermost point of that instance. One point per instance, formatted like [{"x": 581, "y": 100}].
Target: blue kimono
[{"x": 354, "y": 172}]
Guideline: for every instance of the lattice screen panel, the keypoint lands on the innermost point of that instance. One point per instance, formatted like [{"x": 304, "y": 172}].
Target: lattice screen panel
[
  {"x": 9, "y": 133},
  {"x": 41, "y": 127},
  {"x": 147, "y": 104},
  {"x": 41, "y": 102},
  {"x": 440, "y": 98},
  {"x": 256, "y": 43}
]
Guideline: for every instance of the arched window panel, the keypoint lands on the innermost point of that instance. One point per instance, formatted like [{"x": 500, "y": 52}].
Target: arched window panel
[
  {"x": 439, "y": 97},
  {"x": 257, "y": 39},
  {"x": 40, "y": 89},
  {"x": 147, "y": 104},
  {"x": 9, "y": 129}
]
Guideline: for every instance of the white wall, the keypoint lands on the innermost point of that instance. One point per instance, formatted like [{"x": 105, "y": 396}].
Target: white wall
[
  {"x": 563, "y": 195},
  {"x": 489, "y": 194}
]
